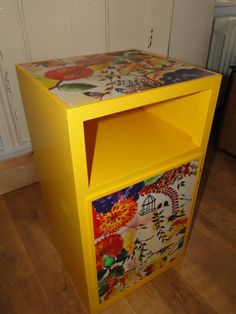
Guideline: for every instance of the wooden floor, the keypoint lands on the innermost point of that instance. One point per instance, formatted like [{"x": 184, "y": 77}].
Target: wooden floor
[{"x": 33, "y": 279}]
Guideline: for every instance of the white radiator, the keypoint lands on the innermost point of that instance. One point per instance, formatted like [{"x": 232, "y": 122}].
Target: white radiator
[{"x": 222, "y": 52}]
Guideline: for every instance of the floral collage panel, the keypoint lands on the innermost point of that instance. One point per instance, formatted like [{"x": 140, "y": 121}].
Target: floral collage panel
[
  {"x": 87, "y": 79},
  {"x": 141, "y": 228}
]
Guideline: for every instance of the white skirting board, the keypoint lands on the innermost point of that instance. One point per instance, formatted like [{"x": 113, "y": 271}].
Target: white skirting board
[{"x": 17, "y": 172}]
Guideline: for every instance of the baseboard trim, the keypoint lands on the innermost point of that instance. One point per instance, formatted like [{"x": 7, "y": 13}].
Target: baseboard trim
[{"x": 17, "y": 172}]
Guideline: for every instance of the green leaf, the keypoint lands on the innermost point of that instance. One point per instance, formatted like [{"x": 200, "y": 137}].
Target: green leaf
[
  {"x": 151, "y": 180},
  {"x": 108, "y": 261},
  {"x": 71, "y": 87},
  {"x": 122, "y": 256},
  {"x": 103, "y": 290},
  {"x": 180, "y": 243},
  {"x": 164, "y": 249},
  {"x": 101, "y": 273},
  {"x": 117, "y": 271},
  {"x": 133, "y": 59}
]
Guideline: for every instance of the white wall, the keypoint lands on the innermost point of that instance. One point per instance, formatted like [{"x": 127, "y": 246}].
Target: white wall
[
  {"x": 37, "y": 30},
  {"x": 158, "y": 16},
  {"x": 140, "y": 24},
  {"x": 191, "y": 30},
  {"x": 59, "y": 28},
  {"x": 126, "y": 24}
]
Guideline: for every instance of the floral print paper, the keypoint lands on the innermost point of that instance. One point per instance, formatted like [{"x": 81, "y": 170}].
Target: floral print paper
[
  {"x": 83, "y": 80},
  {"x": 141, "y": 228}
]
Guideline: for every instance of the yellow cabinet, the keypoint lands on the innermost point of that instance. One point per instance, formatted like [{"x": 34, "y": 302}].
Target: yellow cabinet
[{"x": 119, "y": 140}]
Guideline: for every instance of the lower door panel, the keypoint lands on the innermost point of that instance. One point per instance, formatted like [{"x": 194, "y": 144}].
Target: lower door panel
[{"x": 141, "y": 228}]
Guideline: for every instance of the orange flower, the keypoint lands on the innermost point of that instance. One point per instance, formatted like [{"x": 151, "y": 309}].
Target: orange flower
[{"x": 121, "y": 212}]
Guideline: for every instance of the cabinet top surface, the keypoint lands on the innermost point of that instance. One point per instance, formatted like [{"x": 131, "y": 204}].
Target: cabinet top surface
[{"x": 88, "y": 79}]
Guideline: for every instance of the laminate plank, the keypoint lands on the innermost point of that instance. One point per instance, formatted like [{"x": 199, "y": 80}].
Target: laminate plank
[
  {"x": 122, "y": 306},
  {"x": 215, "y": 257},
  {"x": 20, "y": 290},
  {"x": 220, "y": 221},
  {"x": 26, "y": 296},
  {"x": 14, "y": 260},
  {"x": 26, "y": 205},
  {"x": 31, "y": 224},
  {"x": 212, "y": 293},
  {"x": 217, "y": 210},
  {"x": 14, "y": 263},
  {"x": 179, "y": 294},
  {"x": 147, "y": 300},
  {"x": 7, "y": 228}
]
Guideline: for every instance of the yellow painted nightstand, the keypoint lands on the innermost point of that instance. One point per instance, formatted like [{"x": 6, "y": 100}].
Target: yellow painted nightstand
[{"x": 119, "y": 141}]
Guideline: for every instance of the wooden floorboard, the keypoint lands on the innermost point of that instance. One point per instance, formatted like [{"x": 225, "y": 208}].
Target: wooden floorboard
[{"x": 34, "y": 280}]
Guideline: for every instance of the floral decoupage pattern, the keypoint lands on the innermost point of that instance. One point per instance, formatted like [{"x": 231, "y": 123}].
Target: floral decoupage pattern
[
  {"x": 141, "y": 228},
  {"x": 87, "y": 79}
]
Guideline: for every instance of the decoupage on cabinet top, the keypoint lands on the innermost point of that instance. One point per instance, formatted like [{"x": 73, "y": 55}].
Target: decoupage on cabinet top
[{"x": 87, "y": 79}]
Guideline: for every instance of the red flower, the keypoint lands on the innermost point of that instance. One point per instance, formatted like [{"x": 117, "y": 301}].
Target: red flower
[
  {"x": 187, "y": 169},
  {"x": 69, "y": 73},
  {"x": 180, "y": 169},
  {"x": 111, "y": 281},
  {"x": 123, "y": 279},
  {"x": 96, "y": 225},
  {"x": 148, "y": 270},
  {"x": 109, "y": 246}
]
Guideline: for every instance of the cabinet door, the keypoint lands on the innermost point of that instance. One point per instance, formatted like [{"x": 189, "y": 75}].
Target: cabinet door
[
  {"x": 191, "y": 30},
  {"x": 142, "y": 228}
]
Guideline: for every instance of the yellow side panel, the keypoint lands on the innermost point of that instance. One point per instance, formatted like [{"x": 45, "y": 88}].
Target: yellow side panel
[{"x": 48, "y": 126}]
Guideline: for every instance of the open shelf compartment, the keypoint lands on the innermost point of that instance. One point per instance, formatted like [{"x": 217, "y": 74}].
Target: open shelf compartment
[{"x": 120, "y": 144}]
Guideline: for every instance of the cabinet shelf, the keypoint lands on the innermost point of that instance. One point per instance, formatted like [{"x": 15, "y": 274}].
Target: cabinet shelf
[{"x": 147, "y": 139}]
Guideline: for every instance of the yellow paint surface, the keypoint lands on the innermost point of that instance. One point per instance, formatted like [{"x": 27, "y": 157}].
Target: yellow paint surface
[{"x": 89, "y": 151}]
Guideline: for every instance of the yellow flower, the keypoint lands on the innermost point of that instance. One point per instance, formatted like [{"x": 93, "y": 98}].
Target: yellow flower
[
  {"x": 47, "y": 82},
  {"x": 128, "y": 242},
  {"x": 99, "y": 66}
]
